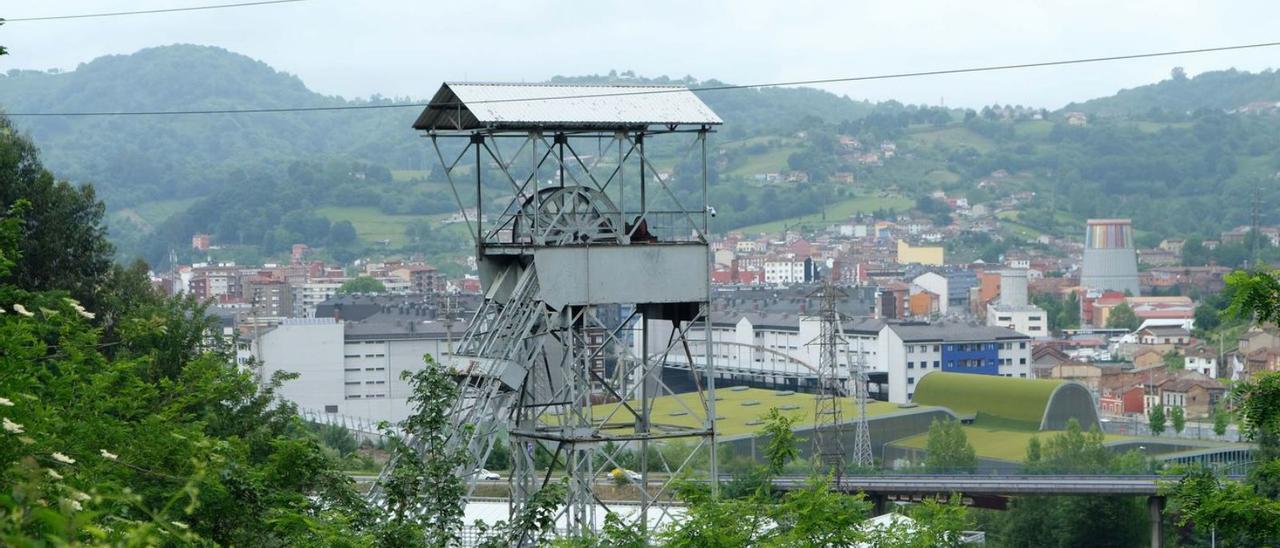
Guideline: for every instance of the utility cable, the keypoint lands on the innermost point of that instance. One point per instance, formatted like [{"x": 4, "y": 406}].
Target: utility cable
[
  {"x": 672, "y": 89},
  {"x": 146, "y": 12}
]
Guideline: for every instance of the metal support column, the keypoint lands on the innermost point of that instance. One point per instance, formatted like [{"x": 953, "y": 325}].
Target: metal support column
[{"x": 1155, "y": 510}]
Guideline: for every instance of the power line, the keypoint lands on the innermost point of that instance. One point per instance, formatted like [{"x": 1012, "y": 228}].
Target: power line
[
  {"x": 891, "y": 76},
  {"x": 146, "y": 12}
]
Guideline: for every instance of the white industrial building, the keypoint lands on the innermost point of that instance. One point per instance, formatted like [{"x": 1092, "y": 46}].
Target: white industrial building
[
  {"x": 779, "y": 349},
  {"x": 1013, "y": 310},
  {"x": 349, "y": 362}
]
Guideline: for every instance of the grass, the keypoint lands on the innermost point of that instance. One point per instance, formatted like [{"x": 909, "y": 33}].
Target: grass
[
  {"x": 1021, "y": 400},
  {"x": 373, "y": 225},
  {"x": 153, "y": 213},
  {"x": 952, "y": 137},
  {"x": 685, "y": 410},
  {"x": 1035, "y": 129},
  {"x": 772, "y": 161},
  {"x": 939, "y": 176},
  {"x": 993, "y": 442},
  {"x": 1009, "y": 220},
  {"x": 836, "y": 212}
]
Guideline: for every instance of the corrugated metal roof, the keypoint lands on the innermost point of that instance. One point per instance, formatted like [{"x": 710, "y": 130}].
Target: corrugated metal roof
[{"x": 465, "y": 106}]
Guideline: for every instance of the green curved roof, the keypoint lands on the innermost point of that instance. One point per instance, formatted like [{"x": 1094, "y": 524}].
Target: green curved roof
[{"x": 1018, "y": 400}]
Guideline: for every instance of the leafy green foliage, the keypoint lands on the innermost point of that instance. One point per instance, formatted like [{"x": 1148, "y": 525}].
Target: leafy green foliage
[
  {"x": 1255, "y": 294},
  {"x": 1242, "y": 513},
  {"x": 1221, "y": 420},
  {"x": 61, "y": 239},
  {"x": 782, "y": 447},
  {"x": 424, "y": 491},
  {"x": 1178, "y": 419},
  {"x": 948, "y": 449},
  {"x": 1075, "y": 521},
  {"x": 1062, "y": 312},
  {"x": 363, "y": 284},
  {"x": 813, "y": 515},
  {"x": 155, "y": 437},
  {"x": 1157, "y": 419},
  {"x": 1122, "y": 316},
  {"x": 1174, "y": 361}
]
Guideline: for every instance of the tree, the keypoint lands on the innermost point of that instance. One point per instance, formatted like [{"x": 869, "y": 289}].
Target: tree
[
  {"x": 164, "y": 440},
  {"x": 1122, "y": 317},
  {"x": 1074, "y": 521},
  {"x": 1034, "y": 451},
  {"x": 1221, "y": 420},
  {"x": 63, "y": 242},
  {"x": 782, "y": 447},
  {"x": 1178, "y": 417},
  {"x": 342, "y": 233},
  {"x": 1255, "y": 293},
  {"x": 1174, "y": 361},
  {"x": 363, "y": 284},
  {"x": 948, "y": 448},
  {"x": 1156, "y": 419}
]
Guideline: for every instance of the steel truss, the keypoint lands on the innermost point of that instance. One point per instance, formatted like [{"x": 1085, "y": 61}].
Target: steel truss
[{"x": 572, "y": 387}]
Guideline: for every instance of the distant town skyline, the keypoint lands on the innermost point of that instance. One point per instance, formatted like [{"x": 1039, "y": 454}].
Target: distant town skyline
[{"x": 403, "y": 49}]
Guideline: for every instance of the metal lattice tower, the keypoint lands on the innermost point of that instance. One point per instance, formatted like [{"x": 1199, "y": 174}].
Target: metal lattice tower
[
  {"x": 861, "y": 456},
  {"x": 828, "y": 426},
  {"x": 592, "y": 288}
]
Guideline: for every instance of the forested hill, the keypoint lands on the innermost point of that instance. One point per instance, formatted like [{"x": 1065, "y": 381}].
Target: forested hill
[
  {"x": 139, "y": 158},
  {"x": 359, "y": 182},
  {"x": 1216, "y": 90}
]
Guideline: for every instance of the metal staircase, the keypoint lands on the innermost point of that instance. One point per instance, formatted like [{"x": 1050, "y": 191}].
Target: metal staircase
[{"x": 489, "y": 367}]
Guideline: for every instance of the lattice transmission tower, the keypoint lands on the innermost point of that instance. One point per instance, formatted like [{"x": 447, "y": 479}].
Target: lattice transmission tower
[
  {"x": 596, "y": 282},
  {"x": 861, "y": 456},
  {"x": 828, "y": 423}
]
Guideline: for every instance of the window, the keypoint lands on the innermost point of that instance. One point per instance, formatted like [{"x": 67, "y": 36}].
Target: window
[
  {"x": 353, "y": 382},
  {"x": 936, "y": 364},
  {"x": 936, "y": 347},
  {"x": 1023, "y": 375},
  {"x": 354, "y": 397},
  {"x": 1022, "y": 361},
  {"x": 1022, "y": 345},
  {"x": 911, "y": 365},
  {"x": 911, "y": 380},
  {"x": 330, "y": 409},
  {"x": 352, "y": 369},
  {"x": 351, "y": 356},
  {"x": 1033, "y": 318}
]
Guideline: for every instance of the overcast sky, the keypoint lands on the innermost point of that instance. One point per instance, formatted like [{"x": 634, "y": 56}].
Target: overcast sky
[{"x": 406, "y": 48}]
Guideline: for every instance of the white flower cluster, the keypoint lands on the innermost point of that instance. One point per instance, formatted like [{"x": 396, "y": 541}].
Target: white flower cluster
[
  {"x": 10, "y": 426},
  {"x": 23, "y": 310},
  {"x": 80, "y": 309}
]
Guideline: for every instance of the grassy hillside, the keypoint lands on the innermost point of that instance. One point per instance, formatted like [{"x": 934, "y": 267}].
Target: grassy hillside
[{"x": 835, "y": 212}]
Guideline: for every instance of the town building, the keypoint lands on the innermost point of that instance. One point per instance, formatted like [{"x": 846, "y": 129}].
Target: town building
[
  {"x": 925, "y": 255},
  {"x": 350, "y": 358},
  {"x": 1013, "y": 310}
]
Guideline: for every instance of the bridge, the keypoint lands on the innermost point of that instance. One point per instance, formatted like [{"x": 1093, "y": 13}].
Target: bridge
[{"x": 991, "y": 491}]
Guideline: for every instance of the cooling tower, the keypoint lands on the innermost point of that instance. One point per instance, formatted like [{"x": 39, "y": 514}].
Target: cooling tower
[
  {"x": 1110, "y": 262},
  {"x": 1013, "y": 287}
]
